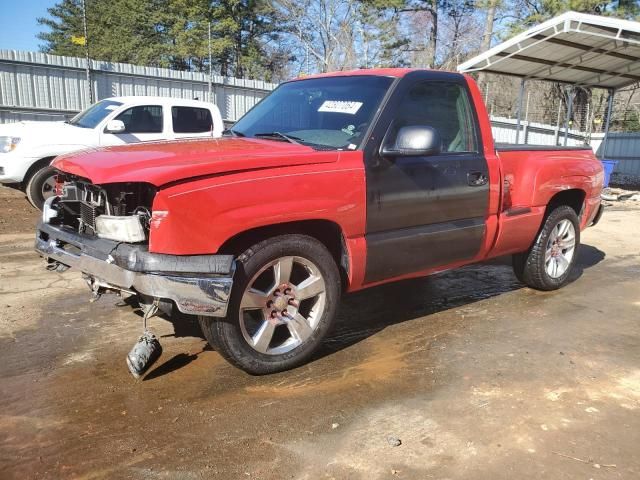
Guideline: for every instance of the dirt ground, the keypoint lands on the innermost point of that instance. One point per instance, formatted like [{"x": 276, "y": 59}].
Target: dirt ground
[
  {"x": 16, "y": 213},
  {"x": 477, "y": 376}
]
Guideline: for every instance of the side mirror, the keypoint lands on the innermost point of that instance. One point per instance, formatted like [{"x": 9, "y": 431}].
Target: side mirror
[
  {"x": 415, "y": 140},
  {"x": 115, "y": 126}
]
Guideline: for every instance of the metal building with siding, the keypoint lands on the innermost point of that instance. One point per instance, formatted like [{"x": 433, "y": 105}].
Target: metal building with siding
[{"x": 38, "y": 86}]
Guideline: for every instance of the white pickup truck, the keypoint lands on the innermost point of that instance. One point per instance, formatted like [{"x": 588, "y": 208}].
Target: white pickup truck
[{"x": 27, "y": 148}]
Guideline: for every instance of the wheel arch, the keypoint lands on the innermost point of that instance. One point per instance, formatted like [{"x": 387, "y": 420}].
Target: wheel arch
[
  {"x": 327, "y": 232},
  {"x": 573, "y": 197},
  {"x": 37, "y": 165}
]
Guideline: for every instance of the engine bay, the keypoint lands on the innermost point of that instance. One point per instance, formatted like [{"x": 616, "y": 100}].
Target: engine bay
[{"x": 118, "y": 211}]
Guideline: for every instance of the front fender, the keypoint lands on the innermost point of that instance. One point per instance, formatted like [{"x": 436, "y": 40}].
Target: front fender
[{"x": 197, "y": 217}]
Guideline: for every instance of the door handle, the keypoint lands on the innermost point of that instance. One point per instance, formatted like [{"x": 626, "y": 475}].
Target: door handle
[{"x": 477, "y": 179}]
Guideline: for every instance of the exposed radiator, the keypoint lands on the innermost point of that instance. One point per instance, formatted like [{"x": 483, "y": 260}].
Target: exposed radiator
[{"x": 87, "y": 217}]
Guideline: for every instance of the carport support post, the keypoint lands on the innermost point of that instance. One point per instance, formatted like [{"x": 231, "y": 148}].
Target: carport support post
[
  {"x": 612, "y": 93},
  {"x": 556, "y": 136},
  {"x": 519, "y": 119},
  {"x": 569, "y": 112},
  {"x": 210, "y": 99}
]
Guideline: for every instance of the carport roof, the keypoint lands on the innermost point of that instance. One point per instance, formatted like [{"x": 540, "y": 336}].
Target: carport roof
[{"x": 573, "y": 48}]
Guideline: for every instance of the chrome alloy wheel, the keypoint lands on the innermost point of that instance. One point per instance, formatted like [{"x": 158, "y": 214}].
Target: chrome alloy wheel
[
  {"x": 48, "y": 187},
  {"x": 560, "y": 249},
  {"x": 282, "y": 305}
]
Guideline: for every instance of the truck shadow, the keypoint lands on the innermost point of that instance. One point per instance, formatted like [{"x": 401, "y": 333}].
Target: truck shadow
[{"x": 365, "y": 313}]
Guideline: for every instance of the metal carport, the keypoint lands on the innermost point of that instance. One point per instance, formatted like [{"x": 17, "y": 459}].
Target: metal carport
[{"x": 574, "y": 48}]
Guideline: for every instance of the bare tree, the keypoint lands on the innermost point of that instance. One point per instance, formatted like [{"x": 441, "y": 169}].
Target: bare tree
[
  {"x": 460, "y": 32},
  {"x": 487, "y": 36},
  {"x": 451, "y": 27},
  {"x": 425, "y": 10},
  {"x": 324, "y": 30}
]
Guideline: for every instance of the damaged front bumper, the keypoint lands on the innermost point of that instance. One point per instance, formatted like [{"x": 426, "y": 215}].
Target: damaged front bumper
[{"x": 197, "y": 284}]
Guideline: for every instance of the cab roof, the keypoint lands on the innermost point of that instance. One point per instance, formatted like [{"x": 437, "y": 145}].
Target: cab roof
[
  {"x": 380, "y": 72},
  {"x": 145, "y": 99}
]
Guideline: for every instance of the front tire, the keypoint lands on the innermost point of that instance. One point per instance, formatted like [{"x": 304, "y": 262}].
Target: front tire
[
  {"x": 41, "y": 186},
  {"x": 547, "y": 265},
  {"x": 283, "y": 303}
]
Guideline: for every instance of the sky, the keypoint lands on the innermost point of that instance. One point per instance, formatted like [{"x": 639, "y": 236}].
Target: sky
[{"x": 18, "y": 26}]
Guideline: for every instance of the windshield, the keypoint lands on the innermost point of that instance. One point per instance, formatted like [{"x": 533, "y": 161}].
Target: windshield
[
  {"x": 93, "y": 115},
  {"x": 328, "y": 113}
]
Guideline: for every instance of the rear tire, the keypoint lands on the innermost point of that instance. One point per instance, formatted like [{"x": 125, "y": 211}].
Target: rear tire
[
  {"x": 283, "y": 304},
  {"x": 40, "y": 186},
  {"x": 547, "y": 265}
]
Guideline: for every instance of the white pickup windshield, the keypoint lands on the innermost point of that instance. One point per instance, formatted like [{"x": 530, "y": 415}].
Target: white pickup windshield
[
  {"x": 93, "y": 115},
  {"x": 327, "y": 113}
]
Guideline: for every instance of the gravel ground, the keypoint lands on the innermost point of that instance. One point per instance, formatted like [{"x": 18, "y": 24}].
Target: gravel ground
[{"x": 464, "y": 375}]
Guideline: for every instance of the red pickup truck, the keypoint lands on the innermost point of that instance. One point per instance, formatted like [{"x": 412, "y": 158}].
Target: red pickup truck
[{"x": 332, "y": 183}]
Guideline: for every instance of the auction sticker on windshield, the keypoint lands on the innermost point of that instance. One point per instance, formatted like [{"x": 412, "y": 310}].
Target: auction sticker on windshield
[{"x": 340, "y": 106}]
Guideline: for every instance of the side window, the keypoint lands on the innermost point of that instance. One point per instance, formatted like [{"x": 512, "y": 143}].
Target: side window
[
  {"x": 191, "y": 120},
  {"x": 443, "y": 106},
  {"x": 142, "y": 119}
]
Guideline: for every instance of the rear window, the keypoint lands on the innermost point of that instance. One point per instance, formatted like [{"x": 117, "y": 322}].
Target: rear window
[{"x": 191, "y": 120}]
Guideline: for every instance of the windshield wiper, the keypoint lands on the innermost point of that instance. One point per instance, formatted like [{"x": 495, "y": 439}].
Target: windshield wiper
[
  {"x": 276, "y": 135},
  {"x": 233, "y": 133}
]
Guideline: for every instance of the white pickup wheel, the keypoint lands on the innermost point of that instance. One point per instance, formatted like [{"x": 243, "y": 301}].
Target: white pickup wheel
[
  {"x": 41, "y": 186},
  {"x": 283, "y": 303},
  {"x": 547, "y": 265}
]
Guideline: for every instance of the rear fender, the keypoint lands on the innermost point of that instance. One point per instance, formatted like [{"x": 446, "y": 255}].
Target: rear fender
[{"x": 534, "y": 177}]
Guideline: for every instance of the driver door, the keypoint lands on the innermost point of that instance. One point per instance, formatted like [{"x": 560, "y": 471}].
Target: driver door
[
  {"x": 425, "y": 211},
  {"x": 143, "y": 123}
]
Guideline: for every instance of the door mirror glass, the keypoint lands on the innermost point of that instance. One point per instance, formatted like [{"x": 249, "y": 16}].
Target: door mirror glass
[
  {"x": 115, "y": 126},
  {"x": 414, "y": 140}
]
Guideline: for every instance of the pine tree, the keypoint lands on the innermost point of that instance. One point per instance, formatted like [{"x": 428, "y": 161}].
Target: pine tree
[
  {"x": 119, "y": 31},
  {"x": 171, "y": 33}
]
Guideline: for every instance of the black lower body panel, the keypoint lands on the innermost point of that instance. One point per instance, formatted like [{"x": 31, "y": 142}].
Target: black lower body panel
[{"x": 399, "y": 252}]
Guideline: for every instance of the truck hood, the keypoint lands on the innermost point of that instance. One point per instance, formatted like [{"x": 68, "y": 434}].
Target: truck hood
[{"x": 160, "y": 163}]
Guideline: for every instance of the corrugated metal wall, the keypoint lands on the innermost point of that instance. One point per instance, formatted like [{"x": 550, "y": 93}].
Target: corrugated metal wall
[
  {"x": 504, "y": 131},
  {"x": 625, "y": 148},
  {"x": 37, "y": 86}
]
